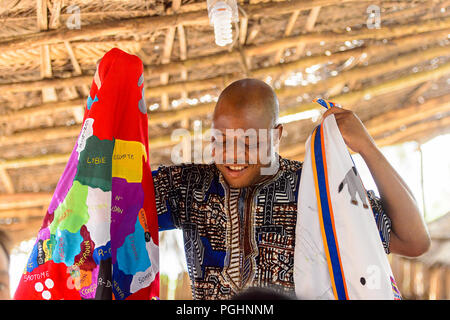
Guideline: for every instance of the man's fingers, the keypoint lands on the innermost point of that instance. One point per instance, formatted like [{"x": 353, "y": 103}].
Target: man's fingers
[{"x": 333, "y": 110}]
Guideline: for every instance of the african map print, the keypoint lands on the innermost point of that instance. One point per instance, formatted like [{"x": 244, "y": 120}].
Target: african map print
[{"x": 99, "y": 238}]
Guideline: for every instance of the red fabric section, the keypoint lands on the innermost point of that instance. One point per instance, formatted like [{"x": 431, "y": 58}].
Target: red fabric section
[{"x": 48, "y": 281}]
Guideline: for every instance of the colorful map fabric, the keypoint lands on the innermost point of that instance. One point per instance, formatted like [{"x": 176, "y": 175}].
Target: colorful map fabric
[{"x": 99, "y": 237}]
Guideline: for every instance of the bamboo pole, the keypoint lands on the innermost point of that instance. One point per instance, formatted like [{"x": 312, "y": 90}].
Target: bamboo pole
[
  {"x": 360, "y": 73},
  {"x": 354, "y": 74},
  {"x": 435, "y": 283},
  {"x": 412, "y": 279},
  {"x": 48, "y": 93},
  {"x": 407, "y": 115},
  {"x": 34, "y": 212},
  {"x": 437, "y": 30},
  {"x": 185, "y": 86},
  {"x": 40, "y": 135},
  {"x": 406, "y": 134},
  {"x": 26, "y": 200},
  {"x": 388, "y": 86},
  {"x": 46, "y": 108},
  {"x": 447, "y": 282},
  {"x": 378, "y": 125},
  {"x": 345, "y": 99},
  {"x": 6, "y": 181},
  {"x": 155, "y": 23},
  {"x": 419, "y": 280},
  {"x": 406, "y": 289},
  {"x": 226, "y": 57}
]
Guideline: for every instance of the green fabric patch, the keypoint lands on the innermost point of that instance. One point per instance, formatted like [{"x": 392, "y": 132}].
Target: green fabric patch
[
  {"x": 72, "y": 213},
  {"x": 95, "y": 164}
]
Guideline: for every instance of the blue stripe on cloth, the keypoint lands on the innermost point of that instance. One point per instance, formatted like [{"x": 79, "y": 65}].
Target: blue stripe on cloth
[{"x": 327, "y": 223}]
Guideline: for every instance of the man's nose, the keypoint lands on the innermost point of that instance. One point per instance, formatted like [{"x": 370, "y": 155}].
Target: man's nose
[{"x": 236, "y": 154}]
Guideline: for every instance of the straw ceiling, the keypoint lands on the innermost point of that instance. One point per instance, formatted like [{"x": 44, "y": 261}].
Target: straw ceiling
[{"x": 396, "y": 77}]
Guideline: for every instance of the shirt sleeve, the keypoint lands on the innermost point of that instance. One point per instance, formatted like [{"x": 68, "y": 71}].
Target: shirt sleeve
[
  {"x": 168, "y": 197},
  {"x": 382, "y": 220}
]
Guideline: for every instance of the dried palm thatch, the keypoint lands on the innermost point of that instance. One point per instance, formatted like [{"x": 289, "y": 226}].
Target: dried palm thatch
[{"x": 394, "y": 77}]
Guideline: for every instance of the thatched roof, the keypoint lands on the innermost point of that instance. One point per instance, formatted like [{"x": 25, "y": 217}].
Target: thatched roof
[{"x": 395, "y": 78}]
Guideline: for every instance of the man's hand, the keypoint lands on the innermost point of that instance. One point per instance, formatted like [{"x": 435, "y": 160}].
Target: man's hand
[
  {"x": 352, "y": 129},
  {"x": 409, "y": 234}
]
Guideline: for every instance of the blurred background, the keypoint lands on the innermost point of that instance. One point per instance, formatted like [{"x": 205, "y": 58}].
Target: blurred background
[{"x": 388, "y": 61}]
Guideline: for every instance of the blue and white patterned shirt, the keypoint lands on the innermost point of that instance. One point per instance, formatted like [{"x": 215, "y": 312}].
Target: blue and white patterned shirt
[{"x": 237, "y": 238}]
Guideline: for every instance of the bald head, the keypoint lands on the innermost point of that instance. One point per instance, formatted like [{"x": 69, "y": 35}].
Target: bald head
[
  {"x": 252, "y": 101},
  {"x": 246, "y": 111}
]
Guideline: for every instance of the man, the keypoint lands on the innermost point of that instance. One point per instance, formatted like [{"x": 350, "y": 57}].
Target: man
[{"x": 239, "y": 224}]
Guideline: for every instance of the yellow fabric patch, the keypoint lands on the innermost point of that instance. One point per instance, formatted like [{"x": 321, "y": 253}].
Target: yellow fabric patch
[{"x": 127, "y": 160}]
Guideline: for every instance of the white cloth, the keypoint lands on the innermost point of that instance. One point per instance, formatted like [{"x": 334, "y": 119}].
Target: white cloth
[{"x": 354, "y": 253}]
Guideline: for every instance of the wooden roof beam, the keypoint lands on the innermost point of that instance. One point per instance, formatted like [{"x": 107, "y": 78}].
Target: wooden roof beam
[
  {"x": 48, "y": 93},
  {"x": 386, "y": 129},
  {"x": 310, "y": 22},
  {"x": 6, "y": 181},
  {"x": 167, "y": 52},
  {"x": 358, "y": 73},
  {"x": 405, "y": 36},
  {"x": 347, "y": 98},
  {"x": 184, "y": 73},
  {"x": 55, "y": 10},
  {"x": 406, "y": 81},
  {"x": 21, "y": 201},
  {"x": 157, "y": 22},
  {"x": 76, "y": 66},
  {"x": 413, "y": 133}
]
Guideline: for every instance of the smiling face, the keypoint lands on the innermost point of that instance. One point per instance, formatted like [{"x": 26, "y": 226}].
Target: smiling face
[{"x": 244, "y": 115}]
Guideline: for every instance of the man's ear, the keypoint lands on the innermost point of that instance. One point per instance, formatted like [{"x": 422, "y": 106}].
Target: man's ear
[
  {"x": 276, "y": 137},
  {"x": 279, "y": 127}
]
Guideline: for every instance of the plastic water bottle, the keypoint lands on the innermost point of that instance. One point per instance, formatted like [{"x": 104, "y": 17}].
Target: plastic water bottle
[{"x": 221, "y": 14}]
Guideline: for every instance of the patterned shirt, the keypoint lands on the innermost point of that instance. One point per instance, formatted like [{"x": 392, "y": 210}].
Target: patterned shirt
[{"x": 237, "y": 238}]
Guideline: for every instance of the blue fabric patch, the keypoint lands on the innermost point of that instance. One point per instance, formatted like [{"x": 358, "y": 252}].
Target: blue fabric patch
[
  {"x": 165, "y": 220},
  {"x": 102, "y": 253},
  {"x": 120, "y": 283},
  {"x": 215, "y": 188},
  {"x": 132, "y": 256},
  {"x": 67, "y": 246},
  {"x": 91, "y": 101},
  {"x": 32, "y": 260},
  {"x": 212, "y": 257}
]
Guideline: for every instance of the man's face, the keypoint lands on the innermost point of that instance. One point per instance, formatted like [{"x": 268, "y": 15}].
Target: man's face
[{"x": 242, "y": 147}]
